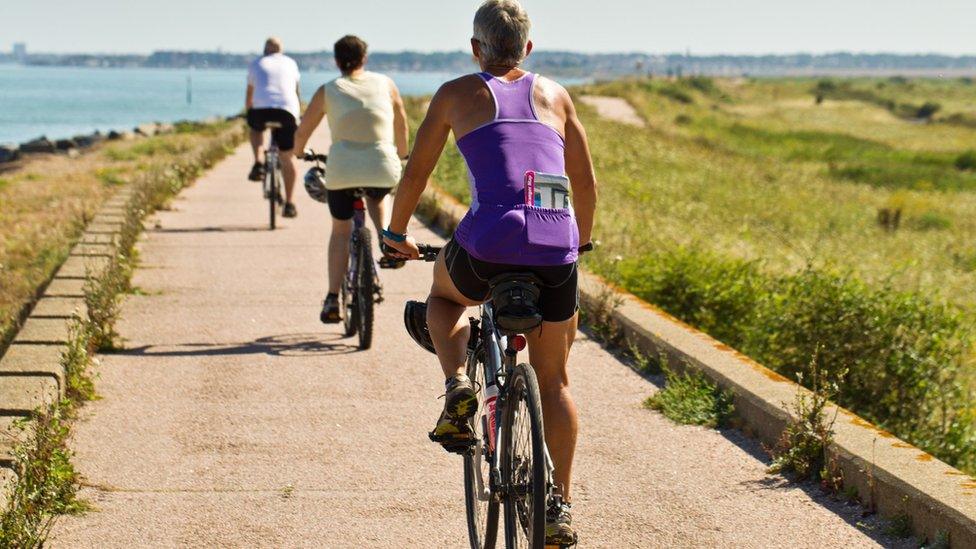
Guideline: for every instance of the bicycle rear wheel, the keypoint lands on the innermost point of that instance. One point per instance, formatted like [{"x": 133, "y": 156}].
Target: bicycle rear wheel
[
  {"x": 272, "y": 191},
  {"x": 480, "y": 504},
  {"x": 365, "y": 288},
  {"x": 523, "y": 462}
]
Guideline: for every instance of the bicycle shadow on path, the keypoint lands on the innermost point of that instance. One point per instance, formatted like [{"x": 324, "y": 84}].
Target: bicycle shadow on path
[{"x": 285, "y": 345}]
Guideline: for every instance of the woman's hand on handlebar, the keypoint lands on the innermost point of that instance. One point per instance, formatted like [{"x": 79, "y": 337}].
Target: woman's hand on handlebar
[{"x": 403, "y": 250}]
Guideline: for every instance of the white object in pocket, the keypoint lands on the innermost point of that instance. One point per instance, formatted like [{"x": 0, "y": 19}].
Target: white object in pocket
[{"x": 548, "y": 190}]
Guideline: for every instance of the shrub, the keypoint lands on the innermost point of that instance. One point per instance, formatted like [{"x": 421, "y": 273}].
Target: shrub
[
  {"x": 966, "y": 161},
  {"x": 928, "y": 110},
  {"x": 896, "y": 356}
]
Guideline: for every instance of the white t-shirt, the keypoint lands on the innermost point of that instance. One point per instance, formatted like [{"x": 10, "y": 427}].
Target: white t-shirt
[{"x": 275, "y": 80}]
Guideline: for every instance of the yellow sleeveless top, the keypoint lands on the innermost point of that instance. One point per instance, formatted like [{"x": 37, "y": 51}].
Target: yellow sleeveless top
[{"x": 360, "y": 113}]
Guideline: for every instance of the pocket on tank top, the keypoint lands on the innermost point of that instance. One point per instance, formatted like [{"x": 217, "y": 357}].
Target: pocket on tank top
[
  {"x": 550, "y": 229},
  {"x": 496, "y": 232}
]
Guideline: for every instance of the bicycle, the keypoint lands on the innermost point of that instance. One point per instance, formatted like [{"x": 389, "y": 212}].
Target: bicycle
[
  {"x": 360, "y": 289},
  {"x": 508, "y": 461},
  {"x": 271, "y": 185}
]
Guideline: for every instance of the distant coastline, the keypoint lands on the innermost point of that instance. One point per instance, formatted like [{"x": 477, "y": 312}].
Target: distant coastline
[{"x": 556, "y": 63}]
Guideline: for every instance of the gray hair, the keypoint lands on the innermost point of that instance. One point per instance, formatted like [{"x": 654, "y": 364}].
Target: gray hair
[{"x": 502, "y": 29}]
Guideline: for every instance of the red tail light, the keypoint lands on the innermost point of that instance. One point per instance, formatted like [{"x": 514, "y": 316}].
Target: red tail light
[{"x": 519, "y": 342}]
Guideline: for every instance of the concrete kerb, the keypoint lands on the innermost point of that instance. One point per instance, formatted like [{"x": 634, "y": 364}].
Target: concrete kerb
[
  {"x": 890, "y": 475},
  {"x": 31, "y": 372}
]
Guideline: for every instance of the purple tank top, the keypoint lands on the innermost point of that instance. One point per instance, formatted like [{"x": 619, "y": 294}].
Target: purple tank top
[{"x": 500, "y": 227}]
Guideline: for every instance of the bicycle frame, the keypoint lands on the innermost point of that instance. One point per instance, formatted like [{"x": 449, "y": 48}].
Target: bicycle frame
[
  {"x": 358, "y": 222},
  {"x": 500, "y": 358}
]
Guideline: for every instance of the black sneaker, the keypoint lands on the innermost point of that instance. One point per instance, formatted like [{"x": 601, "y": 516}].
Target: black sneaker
[
  {"x": 330, "y": 310},
  {"x": 257, "y": 172},
  {"x": 559, "y": 523},
  {"x": 289, "y": 210},
  {"x": 453, "y": 429}
]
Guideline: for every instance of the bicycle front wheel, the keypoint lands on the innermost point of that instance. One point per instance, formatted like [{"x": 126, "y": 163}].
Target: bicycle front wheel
[
  {"x": 480, "y": 503},
  {"x": 523, "y": 462},
  {"x": 365, "y": 288}
]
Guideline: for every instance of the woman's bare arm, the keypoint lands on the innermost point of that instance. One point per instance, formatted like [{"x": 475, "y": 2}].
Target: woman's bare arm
[
  {"x": 579, "y": 168},
  {"x": 313, "y": 116}
]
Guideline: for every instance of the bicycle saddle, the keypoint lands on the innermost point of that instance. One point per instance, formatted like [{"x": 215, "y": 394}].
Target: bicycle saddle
[{"x": 515, "y": 298}]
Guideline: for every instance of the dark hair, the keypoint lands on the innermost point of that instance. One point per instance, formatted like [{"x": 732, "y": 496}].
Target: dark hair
[{"x": 350, "y": 53}]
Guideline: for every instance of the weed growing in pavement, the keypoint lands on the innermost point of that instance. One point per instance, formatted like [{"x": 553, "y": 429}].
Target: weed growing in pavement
[
  {"x": 899, "y": 526},
  {"x": 103, "y": 297},
  {"x": 77, "y": 361},
  {"x": 803, "y": 445},
  {"x": 690, "y": 399},
  {"x": 47, "y": 482},
  {"x": 941, "y": 541}
]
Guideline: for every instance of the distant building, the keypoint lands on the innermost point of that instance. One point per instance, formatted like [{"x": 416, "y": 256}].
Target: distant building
[{"x": 20, "y": 52}]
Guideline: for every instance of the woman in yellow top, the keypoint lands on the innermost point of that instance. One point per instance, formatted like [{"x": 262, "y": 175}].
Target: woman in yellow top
[{"x": 369, "y": 139}]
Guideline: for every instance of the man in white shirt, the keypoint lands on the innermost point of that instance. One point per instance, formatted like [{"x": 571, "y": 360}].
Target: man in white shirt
[{"x": 272, "y": 96}]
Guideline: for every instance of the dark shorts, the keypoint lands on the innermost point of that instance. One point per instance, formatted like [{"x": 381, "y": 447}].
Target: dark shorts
[
  {"x": 284, "y": 136},
  {"x": 559, "y": 297},
  {"x": 341, "y": 202}
]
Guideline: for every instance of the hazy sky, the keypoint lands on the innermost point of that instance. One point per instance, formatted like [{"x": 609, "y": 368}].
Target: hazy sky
[{"x": 715, "y": 26}]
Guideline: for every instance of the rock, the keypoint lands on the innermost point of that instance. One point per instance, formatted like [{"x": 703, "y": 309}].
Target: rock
[
  {"x": 9, "y": 152},
  {"x": 147, "y": 130},
  {"x": 40, "y": 145},
  {"x": 65, "y": 144},
  {"x": 123, "y": 135},
  {"x": 165, "y": 128},
  {"x": 88, "y": 140}
]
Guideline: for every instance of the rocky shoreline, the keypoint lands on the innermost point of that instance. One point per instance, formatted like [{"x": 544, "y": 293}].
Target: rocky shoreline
[{"x": 11, "y": 152}]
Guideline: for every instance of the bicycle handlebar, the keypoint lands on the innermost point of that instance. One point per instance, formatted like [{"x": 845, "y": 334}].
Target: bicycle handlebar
[
  {"x": 311, "y": 156},
  {"x": 428, "y": 252}
]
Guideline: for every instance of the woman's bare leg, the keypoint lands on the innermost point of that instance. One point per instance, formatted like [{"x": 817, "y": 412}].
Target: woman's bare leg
[{"x": 549, "y": 348}]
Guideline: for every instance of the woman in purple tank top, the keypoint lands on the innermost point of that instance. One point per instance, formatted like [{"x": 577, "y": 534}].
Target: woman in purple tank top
[{"x": 514, "y": 129}]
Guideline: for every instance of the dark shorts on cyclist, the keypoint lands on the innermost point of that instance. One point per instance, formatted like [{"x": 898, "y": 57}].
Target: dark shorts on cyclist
[
  {"x": 284, "y": 136},
  {"x": 341, "y": 201},
  {"x": 559, "y": 296}
]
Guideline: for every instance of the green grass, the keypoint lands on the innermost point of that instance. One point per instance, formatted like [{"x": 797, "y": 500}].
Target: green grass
[
  {"x": 690, "y": 399},
  {"x": 45, "y": 204},
  {"x": 751, "y": 212}
]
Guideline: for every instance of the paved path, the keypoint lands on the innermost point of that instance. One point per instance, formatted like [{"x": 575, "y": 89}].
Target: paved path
[
  {"x": 234, "y": 419},
  {"x": 614, "y": 108}
]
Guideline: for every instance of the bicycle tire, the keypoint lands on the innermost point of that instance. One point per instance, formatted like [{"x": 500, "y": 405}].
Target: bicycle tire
[
  {"x": 482, "y": 516},
  {"x": 272, "y": 191},
  {"x": 347, "y": 299},
  {"x": 525, "y": 484},
  {"x": 365, "y": 288}
]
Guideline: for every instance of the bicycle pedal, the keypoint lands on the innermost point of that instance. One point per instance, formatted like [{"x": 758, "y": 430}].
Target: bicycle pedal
[{"x": 391, "y": 263}]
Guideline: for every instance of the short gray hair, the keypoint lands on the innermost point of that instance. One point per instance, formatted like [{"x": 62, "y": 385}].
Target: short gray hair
[{"x": 502, "y": 29}]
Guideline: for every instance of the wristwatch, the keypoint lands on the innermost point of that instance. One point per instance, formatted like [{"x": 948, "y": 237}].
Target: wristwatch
[{"x": 588, "y": 247}]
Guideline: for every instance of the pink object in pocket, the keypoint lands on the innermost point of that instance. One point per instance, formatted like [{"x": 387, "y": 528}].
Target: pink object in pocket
[{"x": 530, "y": 188}]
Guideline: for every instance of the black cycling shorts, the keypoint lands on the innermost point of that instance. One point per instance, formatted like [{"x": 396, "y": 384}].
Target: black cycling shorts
[
  {"x": 284, "y": 136},
  {"x": 340, "y": 202},
  {"x": 559, "y": 296}
]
